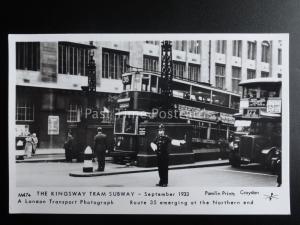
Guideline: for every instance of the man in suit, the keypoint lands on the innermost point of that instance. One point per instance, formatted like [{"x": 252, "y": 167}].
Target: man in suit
[
  {"x": 100, "y": 147},
  {"x": 160, "y": 144}
]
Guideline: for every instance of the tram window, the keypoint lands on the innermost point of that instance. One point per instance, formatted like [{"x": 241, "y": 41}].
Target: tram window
[
  {"x": 186, "y": 95},
  {"x": 220, "y": 99},
  {"x": 264, "y": 94},
  {"x": 235, "y": 102},
  {"x": 129, "y": 124},
  {"x": 178, "y": 94},
  {"x": 137, "y": 82},
  {"x": 145, "y": 82},
  {"x": 201, "y": 94},
  {"x": 269, "y": 92},
  {"x": 119, "y": 124},
  {"x": 181, "y": 90},
  {"x": 154, "y": 84},
  {"x": 251, "y": 93}
]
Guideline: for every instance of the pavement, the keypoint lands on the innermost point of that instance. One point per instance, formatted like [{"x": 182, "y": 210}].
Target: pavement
[
  {"x": 43, "y": 155},
  {"x": 58, "y": 155},
  {"x": 114, "y": 169}
]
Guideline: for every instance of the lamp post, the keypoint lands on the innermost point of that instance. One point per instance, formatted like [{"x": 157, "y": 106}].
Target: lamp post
[{"x": 84, "y": 134}]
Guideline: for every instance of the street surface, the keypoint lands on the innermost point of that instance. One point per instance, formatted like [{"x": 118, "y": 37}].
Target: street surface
[{"x": 45, "y": 174}]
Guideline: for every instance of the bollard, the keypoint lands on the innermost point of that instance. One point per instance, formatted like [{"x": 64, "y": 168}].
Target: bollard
[{"x": 88, "y": 160}]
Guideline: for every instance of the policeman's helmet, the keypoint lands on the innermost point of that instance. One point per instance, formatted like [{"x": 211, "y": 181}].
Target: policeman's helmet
[{"x": 161, "y": 127}]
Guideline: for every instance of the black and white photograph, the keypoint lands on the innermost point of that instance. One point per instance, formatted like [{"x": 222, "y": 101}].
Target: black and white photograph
[{"x": 149, "y": 123}]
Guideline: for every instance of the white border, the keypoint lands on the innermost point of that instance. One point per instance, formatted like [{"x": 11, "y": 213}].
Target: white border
[{"x": 280, "y": 207}]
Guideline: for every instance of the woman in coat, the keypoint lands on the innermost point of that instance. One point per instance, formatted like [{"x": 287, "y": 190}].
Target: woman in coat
[{"x": 28, "y": 145}]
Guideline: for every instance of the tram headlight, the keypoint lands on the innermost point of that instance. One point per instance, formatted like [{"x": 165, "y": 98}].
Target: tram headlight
[
  {"x": 119, "y": 143},
  {"x": 233, "y": 146}
]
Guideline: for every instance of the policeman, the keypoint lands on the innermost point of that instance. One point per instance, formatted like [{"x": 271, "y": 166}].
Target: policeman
[
  {"x": 100, "y": 147},
  {"x": 160, "y": 145}
]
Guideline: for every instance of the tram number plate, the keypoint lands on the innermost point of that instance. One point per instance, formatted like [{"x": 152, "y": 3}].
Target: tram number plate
[{"x": 251, "y": 113}]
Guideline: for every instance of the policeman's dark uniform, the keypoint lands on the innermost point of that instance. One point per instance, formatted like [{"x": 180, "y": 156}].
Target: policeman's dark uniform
[
  {"x": 162, "y": 142},
  {"x": 100, "y": 146}
]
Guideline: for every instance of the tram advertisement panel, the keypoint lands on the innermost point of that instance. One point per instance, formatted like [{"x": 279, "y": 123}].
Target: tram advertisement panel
[{"x": 149, "y": 124}]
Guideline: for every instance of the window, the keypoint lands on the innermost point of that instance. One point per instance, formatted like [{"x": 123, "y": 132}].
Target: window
[
  {"x": 235, "y": 102},
  {"x": 72, "y": 59},
  {"x": 265, "y": 52},
  {"x": 154, "y": 82},
  {"x": 221, "y": 47},
  {"x": 220, "y": 99},
  {"x": 250, "y": 93},
  {"x": 237, "y": 48},
  {"x": 279, "y": 75},
  {"x": 73, "y": 113},
  {"x": 150, "y": 63},
  {"x": 264, "y": 74},
  {"x": 220, "y": 76},
  {"x": 145, "y": 82},
  {"x": 194, "y": 72},
  {"x": 153, "y": 42},
  {"x": 28, "y": 56},
  {"x": 236, "y": 79},
  {"x": 251, "y": 74},
  {"x": 279, "y": 57},
  {"x": 119, "y": 124},
  {"x": 129, "y": 126},
  {"x": 178, "y": 69},
  {"x": 251, "y": 50},
  {"x": 195, "y": 47},
  {"x": 180, "y": 45},
  {"x": 201, "y": 94},
  {"x": 114, "y": 63},
  {"x": 24, "y": 111}
]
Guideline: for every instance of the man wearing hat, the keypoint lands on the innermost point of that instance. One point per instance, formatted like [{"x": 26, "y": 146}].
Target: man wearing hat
[
  {"x": 100, "y": 146},
  {"x": 160, "y": 145}
]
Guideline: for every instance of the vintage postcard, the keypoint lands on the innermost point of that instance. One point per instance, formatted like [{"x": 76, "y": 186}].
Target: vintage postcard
[{"x": 149, "y": 123}]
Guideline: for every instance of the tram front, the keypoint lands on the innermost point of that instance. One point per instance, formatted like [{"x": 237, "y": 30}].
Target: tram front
[
  {"x": 135, "y": 103},
  {"x": 127, "y": 133}
]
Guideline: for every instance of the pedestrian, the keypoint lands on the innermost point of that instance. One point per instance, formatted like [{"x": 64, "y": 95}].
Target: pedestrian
[
  {"x": 160, "y": 145},
  {"x": 34, "y": 143},
  {"x": 68, "y": 146},
  {"x": 28, "y": 145},
  {"x": 100, "y": 147}
]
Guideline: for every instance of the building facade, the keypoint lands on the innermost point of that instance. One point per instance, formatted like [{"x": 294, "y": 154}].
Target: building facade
[{"x": 49, "y": 98}]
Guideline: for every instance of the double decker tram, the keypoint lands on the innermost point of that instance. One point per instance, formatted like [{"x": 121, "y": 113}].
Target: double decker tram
[{"x": 205, "y": 115}]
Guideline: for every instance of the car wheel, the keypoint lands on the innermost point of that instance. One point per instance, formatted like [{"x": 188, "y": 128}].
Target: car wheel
[{"x": 270, "y": 164}]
